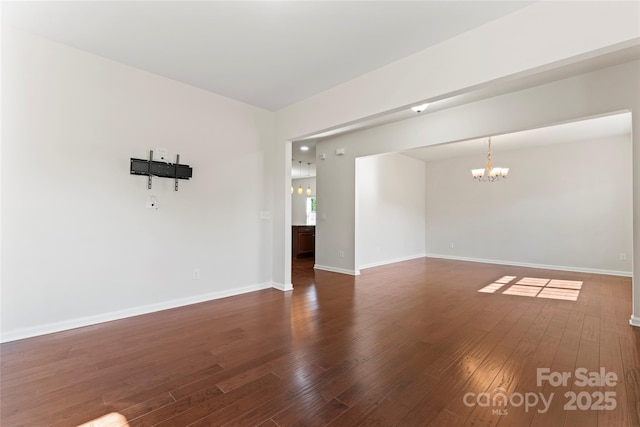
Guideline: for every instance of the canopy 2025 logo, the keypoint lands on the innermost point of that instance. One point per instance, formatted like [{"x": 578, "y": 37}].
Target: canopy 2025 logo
[{"x": 581, "y": 400}]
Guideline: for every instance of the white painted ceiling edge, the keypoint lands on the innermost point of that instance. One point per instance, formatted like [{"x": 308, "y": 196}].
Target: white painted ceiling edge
[{"x": 583, "y": 130}]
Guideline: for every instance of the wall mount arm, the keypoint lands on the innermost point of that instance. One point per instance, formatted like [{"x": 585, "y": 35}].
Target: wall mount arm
[{"x": 152, "y": 168}]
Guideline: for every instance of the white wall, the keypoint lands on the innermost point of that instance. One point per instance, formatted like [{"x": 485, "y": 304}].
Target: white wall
[
  {"x": 78, "y": 244},
  {"x": 390, "y": 209},
  {"x": 565, "y": 206},
  {"x": 299, "y": 202}
]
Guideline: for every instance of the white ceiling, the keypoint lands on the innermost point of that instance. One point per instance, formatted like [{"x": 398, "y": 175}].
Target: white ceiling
[
  {"x": 583, "y": 130},
  {"x": 269, "y": 54}
]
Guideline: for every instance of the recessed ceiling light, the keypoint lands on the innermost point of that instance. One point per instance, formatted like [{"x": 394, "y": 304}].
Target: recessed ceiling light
[
  {"x": 420, "y": 108},
  {"x": 304, "y": 148}
]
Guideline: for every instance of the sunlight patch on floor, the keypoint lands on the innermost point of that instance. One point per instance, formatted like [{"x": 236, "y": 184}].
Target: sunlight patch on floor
[
  {"x": 523, "y": 290},
  {"x": 111, "y": 420},
  {"x": 495, "y": 286},
  {"x": 536, "y": 287},
  {"x": 489, "y": 289},
  {"x": 554, "y": 293},
  {"x": 532, "y": 281},
  {"x": 565, "y": 284}
]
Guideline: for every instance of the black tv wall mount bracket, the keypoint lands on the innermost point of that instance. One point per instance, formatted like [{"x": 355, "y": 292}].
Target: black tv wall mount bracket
[{"x": 152, "y": 168}]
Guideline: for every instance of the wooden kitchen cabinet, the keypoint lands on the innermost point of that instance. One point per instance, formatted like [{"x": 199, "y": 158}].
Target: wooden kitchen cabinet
[{"x": 303, "y": 241}]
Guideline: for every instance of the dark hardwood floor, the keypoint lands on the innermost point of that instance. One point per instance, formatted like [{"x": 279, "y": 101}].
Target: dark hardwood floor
[
  {"x": 412, "y": 343},
  {"x": 302, "y": 272}
]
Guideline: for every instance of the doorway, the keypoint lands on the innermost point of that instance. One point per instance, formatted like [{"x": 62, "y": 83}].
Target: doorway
[{"x": 303, "y": 212}]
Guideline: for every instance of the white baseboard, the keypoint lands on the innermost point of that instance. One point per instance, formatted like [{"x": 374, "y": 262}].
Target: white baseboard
[
  {"x": 542, "y": 266},
  {"x": 337, "y": 270},
  {"x": 282, "y": 287},
  {"x": 391, "y": 261},
  {"x": 65, "y": 325},
  {"x": 634, "y": 321}
]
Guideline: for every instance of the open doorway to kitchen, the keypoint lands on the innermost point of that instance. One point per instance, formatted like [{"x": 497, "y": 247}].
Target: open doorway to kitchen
[{"x": 303, "y": 212}]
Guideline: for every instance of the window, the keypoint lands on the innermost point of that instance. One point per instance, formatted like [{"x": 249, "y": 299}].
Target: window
[{"x": 311, "y": 211}]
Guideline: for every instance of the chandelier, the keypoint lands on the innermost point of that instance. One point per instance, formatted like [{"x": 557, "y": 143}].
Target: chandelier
[{"x": 489, "y": 173}]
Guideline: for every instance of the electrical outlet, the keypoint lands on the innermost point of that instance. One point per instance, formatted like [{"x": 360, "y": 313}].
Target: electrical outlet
[
  {"x": 623, "y": 256},
  {"x": 196, "y": 273},
  {"x": 451, "y": 245},
  {"x": 341, "y": 253}
]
